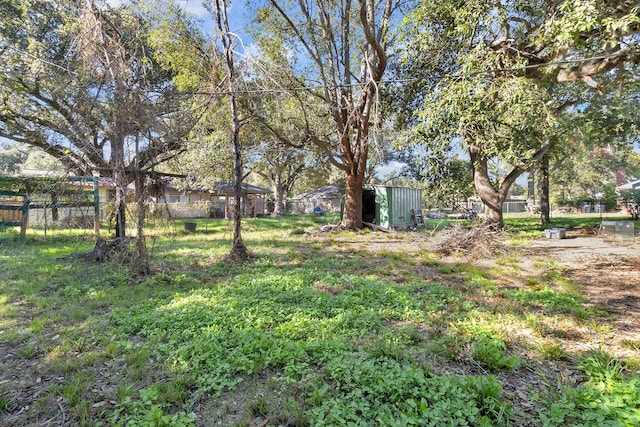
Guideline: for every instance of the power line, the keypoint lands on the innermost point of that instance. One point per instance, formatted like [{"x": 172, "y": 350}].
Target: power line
[
  {"x": 550, "y": 64},
  {"x": 361, "y": 84},
  {"x": 37, "y": 58},
  {"x": 412, "y": 80}
]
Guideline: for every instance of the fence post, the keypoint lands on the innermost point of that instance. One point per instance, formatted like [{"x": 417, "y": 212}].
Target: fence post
[
  {"x": 24, "y": 221},
  {"x": 96, "y": 204}
]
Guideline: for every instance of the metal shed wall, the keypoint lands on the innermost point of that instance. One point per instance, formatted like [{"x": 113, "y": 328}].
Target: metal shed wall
[{"x": 394, "y": 205}]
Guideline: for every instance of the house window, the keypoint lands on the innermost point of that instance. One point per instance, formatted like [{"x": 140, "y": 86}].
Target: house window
[{"x": 174, "y": 198}]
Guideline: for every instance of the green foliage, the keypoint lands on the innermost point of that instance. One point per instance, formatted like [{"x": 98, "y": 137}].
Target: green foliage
[
  {"x": 492, "y": 353},
  {"x": 481, "y": 78},
  {"x": 287, "y": 322},
  {"x": 610, "y": 396},
  {"x": 602, "y": 369},
  {"x": 393, "y": 394},
  {"x": 547, "y": 298},
  {"x": 319, "y": 333},
  {"x": 12, "y": 156},
  {"x": 552, "y": 351},
  {"x": 4, "y": 402},
  {"x": 179, "y": 45},
  {"x": 75, "y": 388},
  {"x": 149, "y": 412}
]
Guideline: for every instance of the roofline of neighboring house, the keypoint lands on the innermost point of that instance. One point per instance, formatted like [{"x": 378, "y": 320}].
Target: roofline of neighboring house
[
  {"x": 220, "y": 188},
  {"x": 629, "y": 186},
  {"x": 36, "y": 173}
]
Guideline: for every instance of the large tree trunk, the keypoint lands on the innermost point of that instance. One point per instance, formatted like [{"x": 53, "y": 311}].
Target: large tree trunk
[
  {"x": 491, "y": 197},
  {"x": 494, "y": 197},
  {"x": 356, "y": 155},
  {"x": 545, "y": 210},
  {"x": 278, "y": 190},
  {"x": 352, "y": 214}
]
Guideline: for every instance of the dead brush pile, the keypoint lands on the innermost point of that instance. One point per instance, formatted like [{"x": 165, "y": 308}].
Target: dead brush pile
[{"x": 479, "y": 241}]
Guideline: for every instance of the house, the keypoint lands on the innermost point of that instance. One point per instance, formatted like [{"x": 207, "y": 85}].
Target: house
[
  {"x": 328, "y": 198},
  {"x": 629, "y": 187},
  {"x": 197, "y": 201},
  {"x": 106, "y": 186},
  {"x": 629, "y": 196},
  {"x": 253, "y": 202}
]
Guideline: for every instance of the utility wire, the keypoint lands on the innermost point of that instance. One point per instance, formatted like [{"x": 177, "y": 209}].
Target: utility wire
[
  {"x": 383, "y": 82},
  {"x": 450, "y": 76},
  {"x": 37, "y": 58}
]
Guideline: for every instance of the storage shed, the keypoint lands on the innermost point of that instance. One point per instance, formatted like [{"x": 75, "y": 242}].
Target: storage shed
[{"x": 390, "y": 207}]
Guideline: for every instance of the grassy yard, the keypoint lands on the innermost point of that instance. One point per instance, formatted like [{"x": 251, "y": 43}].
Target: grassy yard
[{"x": 319, "y": 329}]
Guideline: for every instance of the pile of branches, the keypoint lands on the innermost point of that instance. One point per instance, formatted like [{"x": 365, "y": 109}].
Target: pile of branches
[{"x": 478, "y": 240}]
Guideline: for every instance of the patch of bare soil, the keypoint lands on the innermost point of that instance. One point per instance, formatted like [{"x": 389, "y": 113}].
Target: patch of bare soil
[{"x": 607, "y": 273}]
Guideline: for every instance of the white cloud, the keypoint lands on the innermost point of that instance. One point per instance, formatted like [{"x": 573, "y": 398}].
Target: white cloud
[
  {"x": 194, "y": 7},
  {"x": 389, "y": 168}
]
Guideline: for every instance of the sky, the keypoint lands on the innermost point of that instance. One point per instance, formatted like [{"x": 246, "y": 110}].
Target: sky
[{"x": 235, "y": 13}]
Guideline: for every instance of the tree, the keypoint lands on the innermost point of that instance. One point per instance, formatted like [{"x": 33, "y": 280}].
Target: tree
[
  {"x": 280, "y": 166},
  {"x": 604, "y": 123},
  {"x": 508, "y": 60},
  {"x": 447, "y": 178},
  {"x": 238, "y": 249},
  {"x": 344, "y": 46},
  {"x": 12, "y": 156},
  {"x": 80, "y": 83},
  {"x": 278, "y": 121},
  {"x": 54, "y": 100},
  {"x": 15, "y": 157}
]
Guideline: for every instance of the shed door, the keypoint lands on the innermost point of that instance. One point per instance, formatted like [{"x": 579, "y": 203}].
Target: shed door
[{"x": 369, "y": 206}]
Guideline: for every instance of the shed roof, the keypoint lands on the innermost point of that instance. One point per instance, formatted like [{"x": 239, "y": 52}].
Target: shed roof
[
  {"x": 228, "y": 188},
  {"x": 325, "y": 192}
]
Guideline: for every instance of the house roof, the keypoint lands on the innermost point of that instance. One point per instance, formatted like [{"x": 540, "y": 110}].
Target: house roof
[
  {"x": 74, "y": 180},
  {"x": 325, "y": 192},
  {"x": 629, "y": 186},
  {"x": 220, "y": 188},
  {"x": 228, "y": 188}
]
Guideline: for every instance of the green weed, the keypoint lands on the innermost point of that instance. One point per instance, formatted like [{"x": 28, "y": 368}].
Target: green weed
[
  {"x": 147, "y": 411},
  {"x": 74, "y": 388},
  {"x": 610, "y": 396},
  {"x": 548, "y": 298},
  {"x": 602, "y": 369},
  {"x": 4, "y": 402},
  {"x": 28, "y": 351},
  {"x": 492, "y": 353},
  {"x": 37, "y": 325},
  {"x": 631, "y": 344},
  {"x": 379, "y": 389},
  {"x": 552, "y": 351},
  {"x": 331, "y": 333}
]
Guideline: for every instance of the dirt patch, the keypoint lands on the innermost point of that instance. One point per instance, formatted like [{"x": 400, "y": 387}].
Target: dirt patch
[{"x": 607, "y": 274}]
